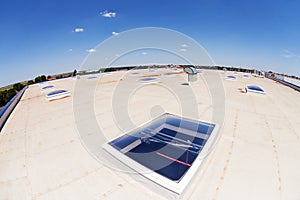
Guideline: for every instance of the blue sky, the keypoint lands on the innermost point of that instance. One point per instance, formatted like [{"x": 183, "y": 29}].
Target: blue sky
[{"x": 40, "y": 36}]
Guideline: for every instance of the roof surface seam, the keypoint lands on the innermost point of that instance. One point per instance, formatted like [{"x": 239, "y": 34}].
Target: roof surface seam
[
  {"x": 229, "y": 155},
  {"x": 276, "y": 157}
]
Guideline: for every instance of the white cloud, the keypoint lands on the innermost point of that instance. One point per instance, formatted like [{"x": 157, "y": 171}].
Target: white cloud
[
  {"x": 184, "y": 46},
  {"x": 286, "y": 54},
  {"x": 289, "y": 54},
  {"x": 78, "y": 30},
  {"x": 69, "y": 50},
  {"x": 115, "y": 33},
  {"x": 144, "y": 53},
  {"x": 91, "y": 50},
  {"x": 183, "y": 50},
  {"x": 108, "y": 14}
]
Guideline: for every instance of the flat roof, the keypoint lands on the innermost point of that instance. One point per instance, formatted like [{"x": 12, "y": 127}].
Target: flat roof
[{"x": 256, "y": 156}]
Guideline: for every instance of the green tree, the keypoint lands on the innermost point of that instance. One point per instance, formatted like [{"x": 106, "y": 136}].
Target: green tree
[
  {"x": 43, "y": 78},
  {"x": 6, "y": 96},
  {"x": 10, "y": 94},
  {"x": 18, "y": 86},
  {"x": 30, "y": 82},
  {"x": 111, "y": 69},
  {"x": 2, "y": 102},
  {"x": 39, "y": 79}
]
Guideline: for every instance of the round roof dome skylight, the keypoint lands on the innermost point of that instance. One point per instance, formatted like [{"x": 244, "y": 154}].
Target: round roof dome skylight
[{"x": 255, "y": 89}]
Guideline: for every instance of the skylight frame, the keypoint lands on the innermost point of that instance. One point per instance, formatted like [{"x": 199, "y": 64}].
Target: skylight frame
[
  {"x": 174, "y": 186},
  {"x": 48, "y": 87},
  {"x": 60, "y": 95}
]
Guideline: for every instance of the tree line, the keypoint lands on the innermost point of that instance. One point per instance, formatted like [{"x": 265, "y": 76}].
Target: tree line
[{"x": 7, "y": 94}]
